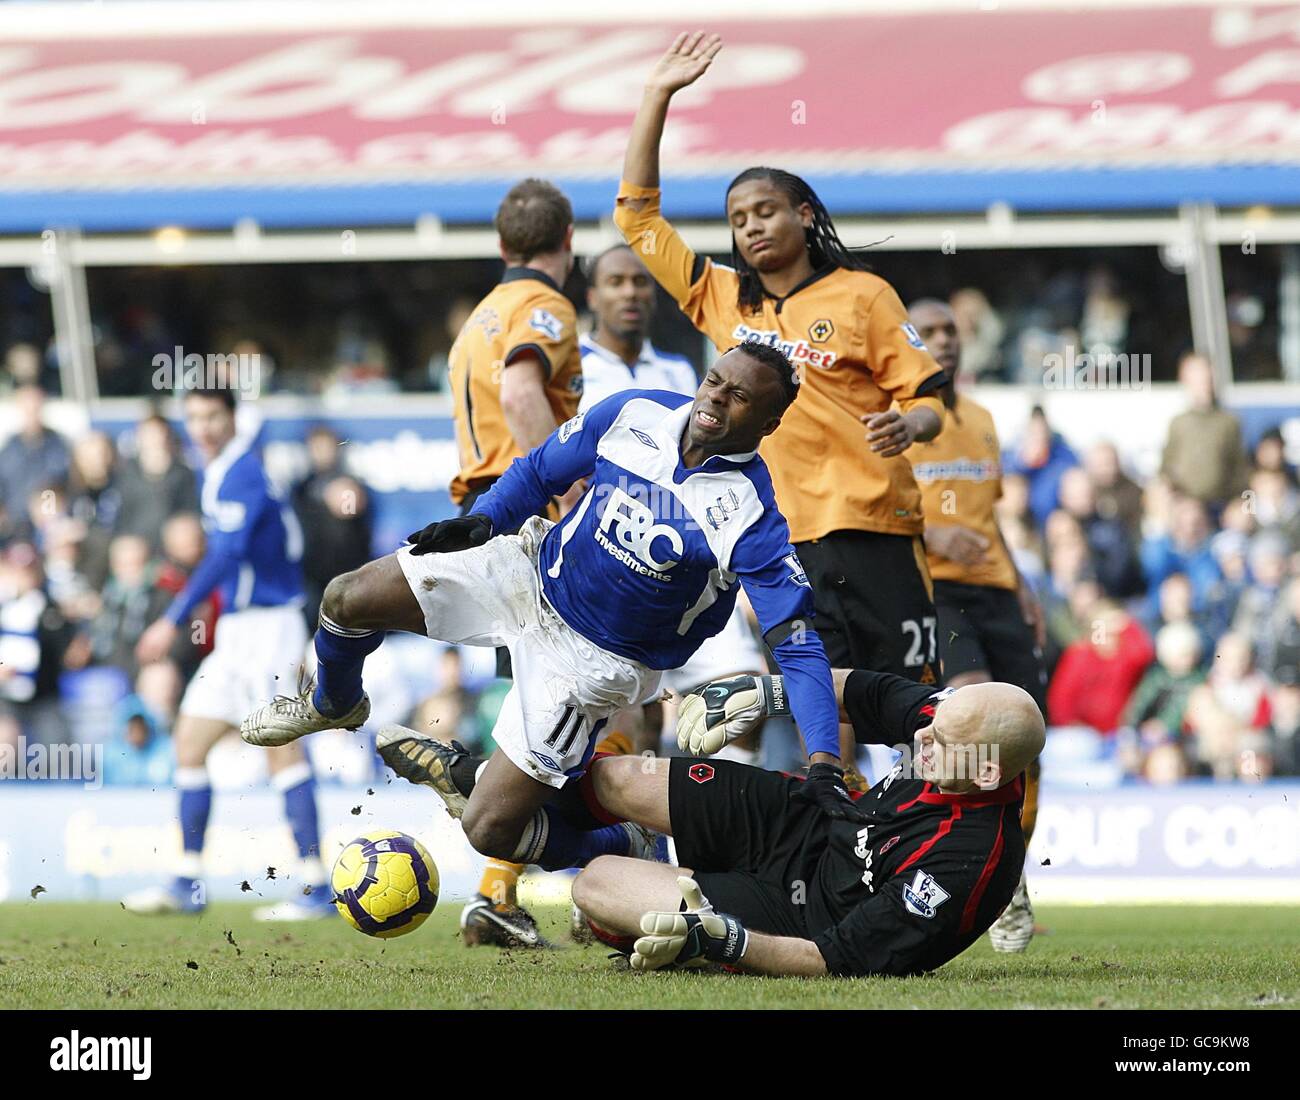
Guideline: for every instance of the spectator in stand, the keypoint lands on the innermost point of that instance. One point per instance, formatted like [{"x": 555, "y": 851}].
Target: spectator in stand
[
  {"x": 1158, "y": 709},
  {"x": 94, "y": 500},
  {"x": 1284, "y": 748},
  {"x": 1111, "y": 548},
  {"x": 1251, "y": 340},
  {"x": 1041, "y": 457},
  {"x": 1097, "y": 674},
  {"x": 25, "y": 366},
  {"x": 1103, "y": 325},
  {"x": 139, "y": 754},
  {"x": 1185, "y": 549},
  {"x": 34, "y": 458},
  {"x": 334, "y": 510},
  {"x": 131, "y": 602},
  {"x": 182, "y": 550},
  {"x": 1203, "y": 456},
  {"x": 1270, "y": 454},
  {"x": 1157, "y": 508},
  {"x": 1283, "y": 657},
  {"x": 450, "y": 711},
  {"x": 1175, "y": 603},
  {"x": 1072, "y": 617},
  {"x": 1017, "y": 526},
  {"x": 1228, "y": 716},
  {"x": 1231, "y": 550},
  {"x": 34, "y": 637},
  {"x": 155, "y": 484},
  {"x": 1117, "y": 495},
  {"x": 981, "y": 332},
  {"x": 1276, "y": 504},
  {"x": 67, "y": 586},
  {"x": 159, "y": 685},
  {"x": 1269, "y": 560}
]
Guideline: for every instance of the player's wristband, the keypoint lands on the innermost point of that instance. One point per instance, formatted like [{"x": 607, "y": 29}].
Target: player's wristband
[
  {"x": 727, "y": 947},
  {"x": 775, "y": 700}
]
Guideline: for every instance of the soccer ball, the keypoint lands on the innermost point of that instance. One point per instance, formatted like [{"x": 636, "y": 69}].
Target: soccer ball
[{"x": 385, "y": 884}]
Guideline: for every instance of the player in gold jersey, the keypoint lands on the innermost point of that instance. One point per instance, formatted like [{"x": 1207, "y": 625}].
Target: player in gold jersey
[
  {"x": 867, "y": 384},
  {"x": 990, "y": 623},
  {"x": 515, "y": 376}
]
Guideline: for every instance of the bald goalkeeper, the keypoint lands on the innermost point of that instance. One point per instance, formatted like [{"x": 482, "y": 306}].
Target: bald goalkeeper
[{"x": 897, "y": 881}]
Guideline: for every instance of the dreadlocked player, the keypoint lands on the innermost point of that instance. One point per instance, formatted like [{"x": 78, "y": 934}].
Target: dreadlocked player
[{"x": 837, "y": 460}]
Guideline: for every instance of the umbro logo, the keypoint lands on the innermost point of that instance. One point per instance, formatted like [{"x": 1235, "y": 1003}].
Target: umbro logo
[{"x": 644, "y": 438}]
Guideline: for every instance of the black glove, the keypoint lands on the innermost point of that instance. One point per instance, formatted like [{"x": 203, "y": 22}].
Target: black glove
[
  {"x": 449, "y": 535},
  {"x": 825, "y": 789}
]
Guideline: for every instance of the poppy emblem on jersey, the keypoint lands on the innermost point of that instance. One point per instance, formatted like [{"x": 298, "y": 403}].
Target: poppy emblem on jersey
[
  {"x": 644, "y": 438},
  {"x": 821, "y": 331},
  {"x": 923, "y": 896},
  {"x": 701, "y": 773}
]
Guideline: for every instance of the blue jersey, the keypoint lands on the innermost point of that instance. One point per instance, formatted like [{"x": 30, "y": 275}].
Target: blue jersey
[
  {"x": 254, "y": 543},
  {"x": 646, "y": 565}
]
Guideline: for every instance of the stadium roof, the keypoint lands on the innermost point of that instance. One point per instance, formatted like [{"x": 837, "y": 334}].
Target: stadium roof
[{"x": 202, "y": 115}]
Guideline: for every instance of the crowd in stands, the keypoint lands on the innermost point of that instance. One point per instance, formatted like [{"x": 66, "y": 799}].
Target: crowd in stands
[{"x": 1173, "y": 606}]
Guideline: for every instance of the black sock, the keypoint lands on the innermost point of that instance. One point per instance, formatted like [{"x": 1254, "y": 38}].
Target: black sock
[{"x": 463, "y": 773}]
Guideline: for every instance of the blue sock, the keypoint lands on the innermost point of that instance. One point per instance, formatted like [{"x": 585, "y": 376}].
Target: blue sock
[
  {"x": 340, "y": 654},
  {"x": 556, "y": 844},
  {"x": 196, "y": 805},
  {"x": 299, "y": 790}
]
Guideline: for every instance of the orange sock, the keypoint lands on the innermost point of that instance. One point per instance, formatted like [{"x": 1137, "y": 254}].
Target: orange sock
[
  {"x": 614, "y": 744},
  {"x": 1029, "y": 815},
  {"x": 499, "y": 882}
]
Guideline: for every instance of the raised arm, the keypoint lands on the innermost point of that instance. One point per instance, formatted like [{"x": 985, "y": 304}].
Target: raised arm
[{"x": 684, "y": 63}]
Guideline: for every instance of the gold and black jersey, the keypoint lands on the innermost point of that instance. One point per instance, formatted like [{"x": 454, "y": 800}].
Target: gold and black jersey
[
  {"x": 525, "y": 315},
  {"x": 849, "y": 334}
]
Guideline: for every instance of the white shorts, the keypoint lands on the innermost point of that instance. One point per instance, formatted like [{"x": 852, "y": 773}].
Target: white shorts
[
  {"x": 256, "y": 655},
  {"x": 565, "y": 686},
  {"x": 728, "y": 654}
]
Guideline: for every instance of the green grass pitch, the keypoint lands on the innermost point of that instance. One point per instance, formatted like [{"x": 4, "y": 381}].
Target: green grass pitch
[{"x": 91, "y": 955}]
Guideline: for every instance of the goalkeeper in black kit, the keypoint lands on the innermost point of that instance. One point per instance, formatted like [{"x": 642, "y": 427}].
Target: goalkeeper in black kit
[{"x": 895, "y": 881}]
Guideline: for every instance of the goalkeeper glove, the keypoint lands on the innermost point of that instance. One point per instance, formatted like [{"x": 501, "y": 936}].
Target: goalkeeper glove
[
  {"x": 691, "y": 937},
  {"x": 724, "y": 710},
  {"x": 825, "y": 789},
  {"x": 449, "y": 535}
]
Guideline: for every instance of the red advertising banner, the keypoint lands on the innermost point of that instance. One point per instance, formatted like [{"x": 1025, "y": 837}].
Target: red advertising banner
[{"x": 968, "y": 91}]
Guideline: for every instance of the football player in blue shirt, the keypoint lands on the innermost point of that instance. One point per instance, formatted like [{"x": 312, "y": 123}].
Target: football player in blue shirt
[
  {"x": 253, "y": 562},
  {"x": 679, "y": 508}
]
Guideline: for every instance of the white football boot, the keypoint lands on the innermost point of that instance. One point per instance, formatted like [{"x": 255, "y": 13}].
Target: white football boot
[
  {"x": 1013, "y": 930},
  {"x": 288, "y": 717}
]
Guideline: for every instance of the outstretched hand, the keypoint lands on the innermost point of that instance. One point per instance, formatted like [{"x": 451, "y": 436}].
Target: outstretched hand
[{"x": 685, "y": 62}]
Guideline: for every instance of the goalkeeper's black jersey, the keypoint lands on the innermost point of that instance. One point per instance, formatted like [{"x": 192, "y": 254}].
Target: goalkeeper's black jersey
[{"x": 930, "y": 872}]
